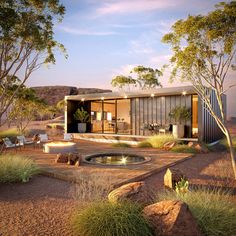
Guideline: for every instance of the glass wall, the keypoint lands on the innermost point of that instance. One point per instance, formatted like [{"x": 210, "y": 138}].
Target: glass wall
[
  {"x": 96, "y": 117},
  {"x": 123, "y": 116},
  {"x": 111, "y": 116},
  {"x": 195, "y": 116}
]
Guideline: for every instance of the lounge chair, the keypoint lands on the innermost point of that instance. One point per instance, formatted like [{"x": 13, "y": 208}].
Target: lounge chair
[
  {"x": 7, "y": 144},
  {"x": 22, "y": 141},
  {"x": 43, "y": 138},
  {"x": 68, "y": 137}
]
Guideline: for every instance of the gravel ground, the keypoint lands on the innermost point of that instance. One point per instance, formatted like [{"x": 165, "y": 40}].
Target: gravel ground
[
  {"x": 44, "y": 205},
  {"x": 39, "y": 207}
]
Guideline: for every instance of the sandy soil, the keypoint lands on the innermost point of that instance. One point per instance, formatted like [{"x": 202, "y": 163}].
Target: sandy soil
[
  {"x": 40, "y": 207},
  {"x": 44, "y": 205}
]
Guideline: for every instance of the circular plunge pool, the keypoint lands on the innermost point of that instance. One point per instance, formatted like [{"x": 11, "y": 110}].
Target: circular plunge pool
[{"x": 116, "y": 159}]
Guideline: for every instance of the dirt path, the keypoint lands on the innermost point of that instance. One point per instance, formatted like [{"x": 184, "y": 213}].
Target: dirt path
[{"x": 40, "y": 207}]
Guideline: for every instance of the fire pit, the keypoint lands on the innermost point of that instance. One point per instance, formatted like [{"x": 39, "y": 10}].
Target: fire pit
[{"x": 59, "y": 147}]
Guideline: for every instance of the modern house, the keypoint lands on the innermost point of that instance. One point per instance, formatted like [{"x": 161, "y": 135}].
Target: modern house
[{"x": 142, "y": 113}]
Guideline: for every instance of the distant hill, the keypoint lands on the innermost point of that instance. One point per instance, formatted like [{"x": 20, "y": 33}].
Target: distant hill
[{"x": 54, "y": 94}]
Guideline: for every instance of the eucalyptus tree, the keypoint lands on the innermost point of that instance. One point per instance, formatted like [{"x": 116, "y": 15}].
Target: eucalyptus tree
[
  {"x": 144, "y": 78},
  {"x": 25, "y": 108},
  {"x": 204, "y": 49},
  {"x": 147, "y": 77},
  {"x": 26, "y": 42},
  {"x": 122, "y": 81}
]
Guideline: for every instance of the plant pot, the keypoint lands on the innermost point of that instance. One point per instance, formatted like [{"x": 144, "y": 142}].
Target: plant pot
[
  {"x": 178, "y": 131},
  {"x": 82, "y": 127}
]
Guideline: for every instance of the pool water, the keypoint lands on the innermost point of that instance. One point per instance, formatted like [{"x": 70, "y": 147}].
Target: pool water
[{"x": 115, "y": 159}]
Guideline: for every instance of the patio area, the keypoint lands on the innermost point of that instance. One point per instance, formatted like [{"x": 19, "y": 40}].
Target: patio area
[{"x": 119, "y": 175}]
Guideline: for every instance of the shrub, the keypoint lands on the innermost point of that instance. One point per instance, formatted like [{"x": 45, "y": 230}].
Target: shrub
[
  {"x": 120, "y": 144},
  {"x": 9, "y": 133},
  {"x": 92, "y": 186},
  {"x": 144, "y": 144},
  {"x": 158, "y": 141},
  {"x": 225, "y": 143},
  {"x": 15, "y": 168},
  {"x": 214, "y": 210},
  {"x": 104, "y": 218},
  {"x": 183, "y": 148}
]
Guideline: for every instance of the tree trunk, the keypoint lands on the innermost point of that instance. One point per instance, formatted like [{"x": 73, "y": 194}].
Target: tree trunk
[{"x": 232, "y": 151}]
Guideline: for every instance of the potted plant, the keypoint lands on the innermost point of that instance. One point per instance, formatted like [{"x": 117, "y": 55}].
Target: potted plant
[
  {"x": 82, "y": 116},
  {"x": 180, "y": 114}
]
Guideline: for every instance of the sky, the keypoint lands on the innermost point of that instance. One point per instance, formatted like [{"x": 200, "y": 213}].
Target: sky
[{"x": 105, "y": 38}]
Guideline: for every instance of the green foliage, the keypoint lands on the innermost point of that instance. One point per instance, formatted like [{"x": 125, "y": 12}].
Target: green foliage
[
  {"x": 144, "y": 144},
  {"x": 9, "y": 133},
  {"x": 182, "y": 186},
  {"x": 121, "y": 81},
  {"x": 27, "y": 41},
  {"x": 180, "y": 113},
  {"x": 105, "y": 218},
  {"x": 226, "y": 145},
  {"x": 121, "y": 144},
  {"x": 61, "y": 106},
  {"x": 16, "y": 168},
  {"x": 214, "y": 210},
  {"x": 81, "y": 115},
  {"x": 158, "y": 141},
  {"x": 145, "y": 78},
  {"x": 25, "y": 108},
  {"x": 183, "y": 148}
]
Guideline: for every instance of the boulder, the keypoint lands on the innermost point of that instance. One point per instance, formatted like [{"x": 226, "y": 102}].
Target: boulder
[
  {"x": 136, "y": 192},
  {"x": 171, "y": 218},
  {"x": 62, "y": 158},
  {"x": 169, "y": 145},
  {"x": 73, "y": 159},
  {"x": 172, "y": 177}
]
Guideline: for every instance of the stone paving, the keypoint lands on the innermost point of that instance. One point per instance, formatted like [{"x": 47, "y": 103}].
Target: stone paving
[{"x": 160, "y": 160}]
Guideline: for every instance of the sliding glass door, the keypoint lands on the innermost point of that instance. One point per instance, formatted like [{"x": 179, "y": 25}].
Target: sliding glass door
[{"x": 111, "y": 116}]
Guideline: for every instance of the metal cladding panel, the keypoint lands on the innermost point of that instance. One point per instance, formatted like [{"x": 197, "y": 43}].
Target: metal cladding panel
[
  {"x": 147, "y": 110},
  {"x": 208, "y": 128},
  {"x": 133, "y": 122},
  {"x": 141, "y": 118}
]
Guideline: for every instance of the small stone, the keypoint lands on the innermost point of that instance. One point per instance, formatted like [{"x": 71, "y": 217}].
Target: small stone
[
  {"x": 169, "y": 145},
  {"x": 201, "y": 148},
  {"x": 171, "y": 218},
  {"x": 190, "y": 144}
]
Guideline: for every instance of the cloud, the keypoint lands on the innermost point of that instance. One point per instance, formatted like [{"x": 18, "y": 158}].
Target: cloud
[
  {"x": 76, "y": 31},
  {"x": 140, "y": 47},
  {"x": 124, "y": 6}
]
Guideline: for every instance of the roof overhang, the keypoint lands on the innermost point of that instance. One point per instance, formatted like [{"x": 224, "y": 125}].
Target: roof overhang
[{"x": 183, "y": 90}]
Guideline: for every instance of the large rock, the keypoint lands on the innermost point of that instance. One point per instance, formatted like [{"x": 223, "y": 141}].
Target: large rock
[
  {"x": 53, "y": 94},
  {"x": 136, "y": 192},
  {"x": 172, "y": 177},
  {"x": 171, "y": 218}
]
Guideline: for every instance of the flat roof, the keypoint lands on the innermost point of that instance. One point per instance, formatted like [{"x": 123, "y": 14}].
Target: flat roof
[{"x": 139, "y": 93}]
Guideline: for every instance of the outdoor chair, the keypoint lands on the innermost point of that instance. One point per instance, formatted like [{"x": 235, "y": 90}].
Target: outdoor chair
[
  {"x": 43, "y": 138},
  {"x": 68, "y": 137},
  {"x": 7, "y": 144},
  {"x": 22, "y": 140}
]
